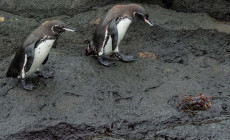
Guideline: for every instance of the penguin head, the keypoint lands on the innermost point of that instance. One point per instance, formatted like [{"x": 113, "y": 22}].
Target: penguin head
[
  {"x": 57, "y": 26},
  {"x": 90, "y": 50},
  {"x": 144, "y": 17},
  {"x": 140, "y": 13}
]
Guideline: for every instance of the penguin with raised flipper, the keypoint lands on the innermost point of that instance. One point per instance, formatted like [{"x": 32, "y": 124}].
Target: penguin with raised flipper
[
  {"x": 111, "y": 31},
  {"x": 35, "y": 51}
]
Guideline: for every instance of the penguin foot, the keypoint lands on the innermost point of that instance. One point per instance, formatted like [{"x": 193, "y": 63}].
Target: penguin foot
[
  {"x": 45, "y": 75},
  {"x": 125, "y": 58},
  {"x": 28, "y": 87},
  {"x": 105, "y": 62}
]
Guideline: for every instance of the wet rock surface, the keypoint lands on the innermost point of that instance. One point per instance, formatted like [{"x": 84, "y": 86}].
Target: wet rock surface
[
  {"x": 218, "y": 9},
  {"x": 184, "y": 54}
]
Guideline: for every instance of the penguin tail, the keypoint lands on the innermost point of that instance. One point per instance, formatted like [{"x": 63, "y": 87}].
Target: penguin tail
[
  {"x": 8, "y": 74},
  {"x": 16, "y": 65},
  {"x": 12, "y": 72}
]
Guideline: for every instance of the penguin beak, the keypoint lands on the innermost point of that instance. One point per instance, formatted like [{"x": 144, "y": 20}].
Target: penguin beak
[
  {"x": 70, "y": 29},
  {"x": 148, "y": 22}
]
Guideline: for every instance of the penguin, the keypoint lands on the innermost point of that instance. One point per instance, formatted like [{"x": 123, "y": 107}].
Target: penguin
[
  {"x": 35, "y": 51},
  {"x": 111, "y": 31}
]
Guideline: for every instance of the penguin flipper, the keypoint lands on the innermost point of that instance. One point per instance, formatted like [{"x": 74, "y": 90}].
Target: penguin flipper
[
  {"x": 29, "y": 50},
  {"x": 43, "y": 63},
  {"x": 112, "y": 28}
]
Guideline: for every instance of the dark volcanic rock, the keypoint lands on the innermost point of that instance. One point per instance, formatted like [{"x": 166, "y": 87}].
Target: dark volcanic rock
[
  {"x": 219, "y": 9},
  {"x": 38, "y": 9},
  {"x": 13, "y": 30},
  {"x": 128, "y": 101}
]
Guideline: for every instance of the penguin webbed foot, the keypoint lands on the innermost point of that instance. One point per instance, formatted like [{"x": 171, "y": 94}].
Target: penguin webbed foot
[
  {"x": 28, "y": 87},
  {"x": 105, "y": 62},
  {"x": 125, "y": 58},
  {"x": 45, "y": 75}
]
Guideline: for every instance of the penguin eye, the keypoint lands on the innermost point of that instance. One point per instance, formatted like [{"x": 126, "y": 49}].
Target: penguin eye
[
  {"x": 147, "y": 16},
  {"x": 57, "y": 28},
  {"x": 138, "y": 15}
]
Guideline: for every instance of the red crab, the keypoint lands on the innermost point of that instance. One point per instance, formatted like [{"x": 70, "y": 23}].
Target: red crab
[{"x": 195, "y": 103}]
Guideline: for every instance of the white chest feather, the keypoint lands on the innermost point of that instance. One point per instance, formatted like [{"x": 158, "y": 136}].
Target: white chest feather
[
  {"x": 122, "y": 27},
  {"x": 40, "y": 54}
]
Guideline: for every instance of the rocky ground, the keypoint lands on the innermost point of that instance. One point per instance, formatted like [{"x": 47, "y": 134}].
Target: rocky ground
[{"x": 186, "y": 53}]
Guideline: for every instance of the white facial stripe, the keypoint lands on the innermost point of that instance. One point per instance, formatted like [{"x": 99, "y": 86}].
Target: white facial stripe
[
  {"x": 53, "y": 30},
  {"x": 138, "y": 13}
]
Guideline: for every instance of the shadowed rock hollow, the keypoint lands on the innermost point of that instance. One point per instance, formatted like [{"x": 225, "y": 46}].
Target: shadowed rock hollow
[{"x": 183, "y": 54}]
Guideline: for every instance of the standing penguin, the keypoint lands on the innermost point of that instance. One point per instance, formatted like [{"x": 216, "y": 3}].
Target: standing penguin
[
  {"x": 111, "y": 31},
  {"x": 35, "y": 51}
]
